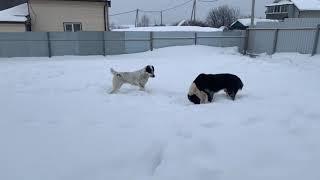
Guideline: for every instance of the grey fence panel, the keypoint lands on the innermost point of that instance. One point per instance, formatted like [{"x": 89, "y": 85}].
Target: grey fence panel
[
  {"x": 301, "y": 22},
  {"x": 114, "y": 43},
  {"x": 318, "y": 46},
  {"x": 294, "y": 35},
  {"x": 166, "y": 39},
  {"x": 78, "y": 43},
  {"x": 261, "y": 41},
  {"x": 290, "y": 23},
  {"x": 137, "y": 42},
  {"x": 23, "y": 44},
  {"x": 222, "y": 39},
  {"x": 295, "y": 41}
]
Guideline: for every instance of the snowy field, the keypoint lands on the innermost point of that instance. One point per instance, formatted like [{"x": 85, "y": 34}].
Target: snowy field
[{"x": 59, "y": 122}]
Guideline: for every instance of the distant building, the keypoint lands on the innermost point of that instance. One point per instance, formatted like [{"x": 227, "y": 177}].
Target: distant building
[
  {"x": 14, "y": 19},
  {"x": 242, "y": 24},
  {"x": 281, "y": 9},
  {"x": 56, "y": 15}
]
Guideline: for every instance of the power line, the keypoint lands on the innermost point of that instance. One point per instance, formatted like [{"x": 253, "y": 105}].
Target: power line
[
  {"x": 148, "y": 11},
  {"x": 176, "y": 6},
  {"x": 154, "y": 11},
  {"x": 123, "y": 13},
  {"x": 207, "y": 0}
]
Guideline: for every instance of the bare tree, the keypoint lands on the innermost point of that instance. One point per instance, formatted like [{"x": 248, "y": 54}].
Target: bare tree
[
  {"x": 144, "y": 22},
  {"x": 222, "y": 16}
]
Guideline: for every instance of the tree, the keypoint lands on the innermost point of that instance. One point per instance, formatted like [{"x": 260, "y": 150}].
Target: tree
[
  {"x": 222, "y": 16},
  {"x": 144, "y": 22}
]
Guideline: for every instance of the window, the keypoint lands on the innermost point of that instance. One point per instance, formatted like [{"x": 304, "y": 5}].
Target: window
[
  {"x": 72, "y": 27},
  {"x": 284, "y": 8},
  {"x": 270, "y": 9},
  {"x": 277, "y": 9}
]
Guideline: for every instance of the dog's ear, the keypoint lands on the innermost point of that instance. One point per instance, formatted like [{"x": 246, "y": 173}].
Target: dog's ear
[
  {"x": 149, "y": 69},
  {"x": 152, "y": 68}
]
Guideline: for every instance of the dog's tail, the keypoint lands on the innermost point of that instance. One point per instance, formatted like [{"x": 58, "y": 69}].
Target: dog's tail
[{"x": 113, "y": 71}]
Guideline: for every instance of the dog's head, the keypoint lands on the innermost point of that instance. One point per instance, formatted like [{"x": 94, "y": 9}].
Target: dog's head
[
  {"x": 193, "y": 98},
  {"x": 150, "y": 71},
  {"x": 196, "y": 96}
]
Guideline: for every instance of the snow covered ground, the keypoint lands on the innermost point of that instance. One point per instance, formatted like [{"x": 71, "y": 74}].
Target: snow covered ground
[
  {"x": 171, "y": 28},
  {"x": 58, "y": 121}
]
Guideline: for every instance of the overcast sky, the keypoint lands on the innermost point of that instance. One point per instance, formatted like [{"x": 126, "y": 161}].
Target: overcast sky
[{"x": 180, "y": 13}]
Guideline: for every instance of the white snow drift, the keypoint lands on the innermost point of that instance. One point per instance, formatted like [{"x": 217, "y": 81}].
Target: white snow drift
[{"x": 59, "y": 122}]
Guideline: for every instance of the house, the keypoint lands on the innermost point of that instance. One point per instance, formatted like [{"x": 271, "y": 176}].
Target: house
[
  {"x": 14, "y": 19},
  {"x": 244, "y": 23},
  {"x": 281, "y": 9},
  {"x": 62, "y": 15}
]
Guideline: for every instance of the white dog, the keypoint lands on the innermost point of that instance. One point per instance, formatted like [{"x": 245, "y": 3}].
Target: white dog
[{"x": 137, "y": 78}]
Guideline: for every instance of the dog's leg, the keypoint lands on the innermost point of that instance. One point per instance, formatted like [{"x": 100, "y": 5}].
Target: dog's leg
[
  {"x": 116, "y": 85},
  {"x": 209, "y": 94},
  {"x": 203, "y": 98},
  {"x": 141, "y": 87},
  {"x": 232, "y": 94}
]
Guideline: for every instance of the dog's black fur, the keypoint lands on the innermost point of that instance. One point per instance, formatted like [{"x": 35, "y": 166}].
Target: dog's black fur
[
  {"x": 193, "y": 98},
  {"x": 150, "y": 70},
  {"x": 212, "y": 83}
]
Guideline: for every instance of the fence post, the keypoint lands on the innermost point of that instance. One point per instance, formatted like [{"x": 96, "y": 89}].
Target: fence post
[
  {"x": 275, "y": 41},
  {"x": 246, "y": 42},
  {"x": 104, "y": 43},
  {"x": 49, "y": 45},
  {"x": 195, "y": 38},
  {"x": 151, "y": 41},
  {"x": 316, "y": 40}
]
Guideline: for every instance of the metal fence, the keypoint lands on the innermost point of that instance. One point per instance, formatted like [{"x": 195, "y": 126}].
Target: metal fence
[
  {"x": 292, "y": 35},
  {"x": 40, "y": 44}
]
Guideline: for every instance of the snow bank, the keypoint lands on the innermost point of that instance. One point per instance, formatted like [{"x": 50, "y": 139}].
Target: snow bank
[
  {"x": 171, "y": 28},
  {"x": 247, "y": 21},
  {"x": 58, "y": 121}
]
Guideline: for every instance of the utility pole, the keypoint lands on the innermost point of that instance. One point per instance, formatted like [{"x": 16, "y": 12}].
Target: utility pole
[
  {"x": 252, "y": 12},
  {"x": 161, "y": 18},
  {"x": 137, "y": 18},
  {"x": 193, "y": 12}
]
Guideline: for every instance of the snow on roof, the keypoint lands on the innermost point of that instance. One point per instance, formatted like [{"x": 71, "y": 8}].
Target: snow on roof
[
  {"x": 303, "y": 5},
  {"x": 15, "y": 14},
  {"x": 171, "y": 28},
  {"x": 247, "y": 21},
  {"x": 306, "y": 5},
  {"x": 284, "y": 2}
]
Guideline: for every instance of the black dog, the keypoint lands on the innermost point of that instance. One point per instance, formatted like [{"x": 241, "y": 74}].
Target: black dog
[{"x": 205, "y": 85}]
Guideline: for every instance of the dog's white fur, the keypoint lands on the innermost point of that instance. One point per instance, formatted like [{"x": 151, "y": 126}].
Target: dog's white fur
[
  {"x": 137, "y": 78},
  {"x": 193, "y": 90}
]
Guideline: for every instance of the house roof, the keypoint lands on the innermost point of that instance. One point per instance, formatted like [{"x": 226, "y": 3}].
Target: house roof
[
  {"x": 18, "y": 13},
  {"x": 247, "y": 21},
  {"x": 302, "y": 5},
  {"x": 283, "y": 2},
  {"x": 306, "y": 5},
  {"x": 15, "y": 14}
]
